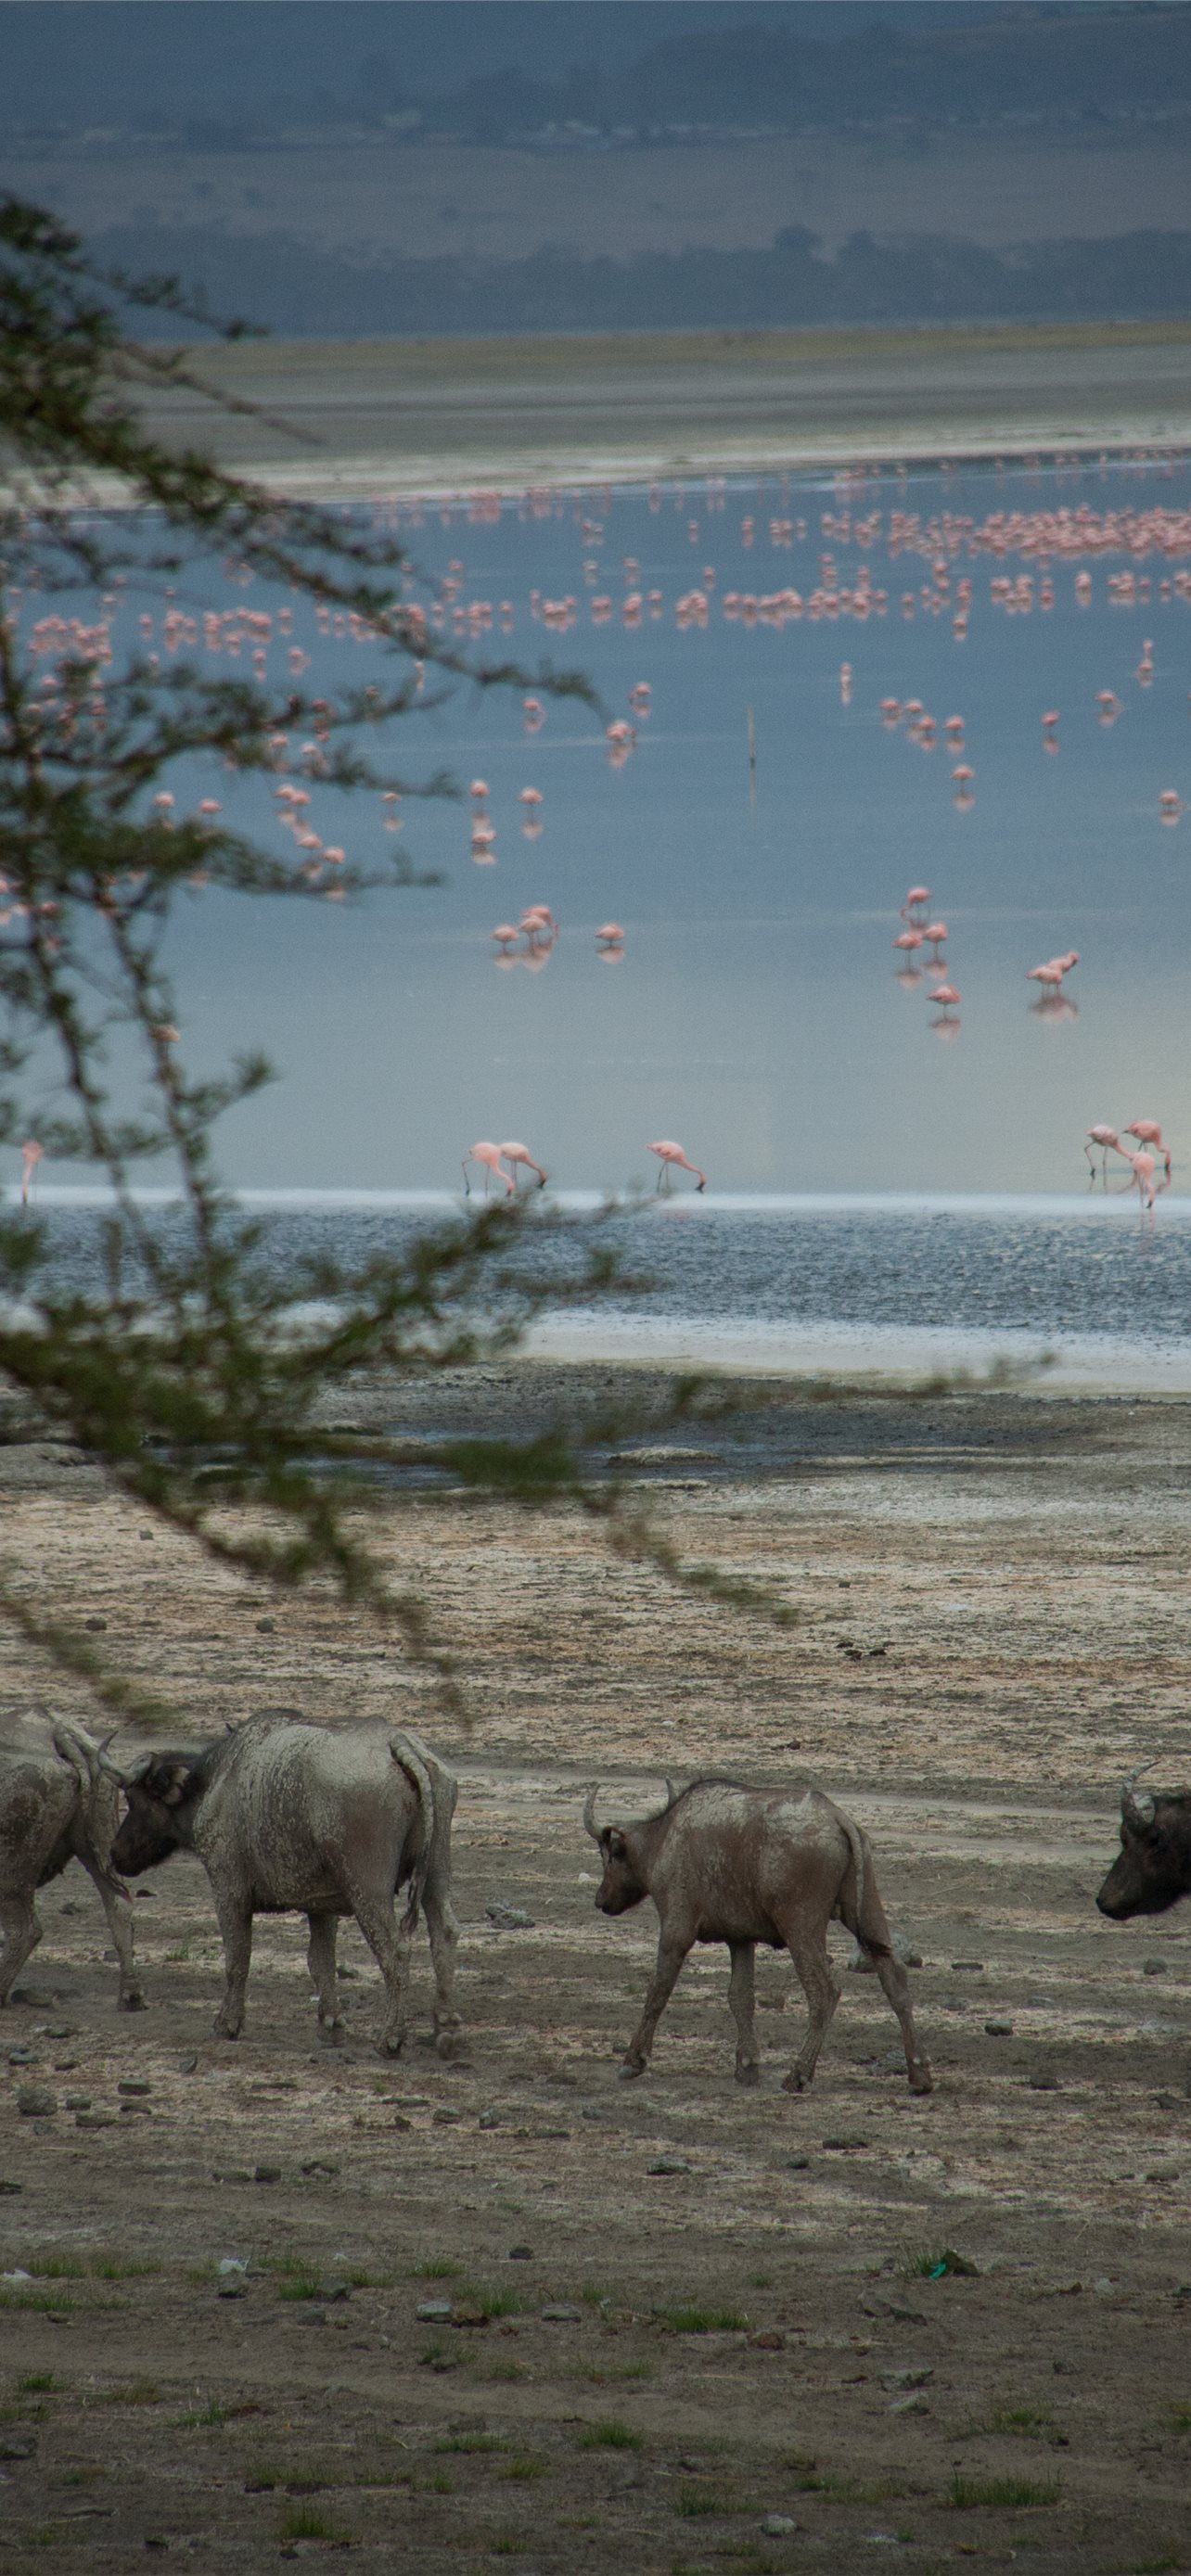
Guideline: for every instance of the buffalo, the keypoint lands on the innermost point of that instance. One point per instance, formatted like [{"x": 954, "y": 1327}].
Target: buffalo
[
  {"x": 723, "y": 1862},
  {"x": 56, "y": 1805},
  {"x": 289, "y": 1817},
  {"x": 1153, "y": 1867}
]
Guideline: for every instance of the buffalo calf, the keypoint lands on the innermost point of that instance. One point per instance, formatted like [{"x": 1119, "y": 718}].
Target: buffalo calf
[{"x": 727, "y": 1863}]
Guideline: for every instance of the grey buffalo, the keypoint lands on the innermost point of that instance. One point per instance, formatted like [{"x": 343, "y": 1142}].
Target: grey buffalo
[
  {"x": 726, "y": 1863},
  {"x": 1153, "y": 1867},
  {"x": 289, "y": 1817},
  {"x": 56, "y": 1806}
]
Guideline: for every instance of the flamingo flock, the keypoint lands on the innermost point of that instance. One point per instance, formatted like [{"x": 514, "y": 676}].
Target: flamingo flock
[{"x": 1007, "y": 560}]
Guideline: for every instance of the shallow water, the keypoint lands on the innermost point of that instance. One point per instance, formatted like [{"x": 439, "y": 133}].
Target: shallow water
[
  {"x": 1091, "y": 1287},
  {"x": 755, "y": 1013}
]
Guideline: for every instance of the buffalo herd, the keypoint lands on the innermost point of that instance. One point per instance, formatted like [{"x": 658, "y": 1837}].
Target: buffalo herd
[{"x": 289, "y": 1817}]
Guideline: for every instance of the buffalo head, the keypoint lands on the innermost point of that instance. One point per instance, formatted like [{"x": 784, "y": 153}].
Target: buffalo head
[
  {"x": 161, "y": 1790},
  {"x": 1153, "y": 1867},
  {"x": 622, "y": 1885}
]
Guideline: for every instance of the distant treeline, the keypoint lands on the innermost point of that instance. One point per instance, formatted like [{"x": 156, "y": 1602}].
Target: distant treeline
[
  {"x": 1064, "y": 62},
  {"x": 305, "y": 294},
  {"x": 1043, "y": 66}
]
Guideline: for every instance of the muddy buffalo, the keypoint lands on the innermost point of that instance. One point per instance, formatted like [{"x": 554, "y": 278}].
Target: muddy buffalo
[
  {"x": 726, "y": 1863},
  {"x": 1153, "y": 1867},
  {"x": 288, "y": 1817},
  {"x": 57, "y": 1806}
]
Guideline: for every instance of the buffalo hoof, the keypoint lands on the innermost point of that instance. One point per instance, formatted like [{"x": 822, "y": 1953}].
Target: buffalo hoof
[
  {"x": 628, "y": 2073},
  {"x": 135, "y": 2002},
  {"x": 921, "y": 2080},
  {"x": 392, "y": 2047},
  {"x": 446, "y": 2044},
  {"x": 332, "y": 2033},
  {"x": 795, "y": 2081},
  {"x": 223, "y": 2030},
  {"x": 748, "y": 2074}
]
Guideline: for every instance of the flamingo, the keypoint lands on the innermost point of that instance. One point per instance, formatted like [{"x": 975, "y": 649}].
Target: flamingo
[
  {"x": 917, "y": 896},
  {"x": 519, "y": 1154},
  {"x": 31, "y": 1155},
  {"x": 1148, "y": 1132},
  {"x": 490, "y": 1156},
  {"x": 1141, "y": 1167},
  {"x": 936, "y": 932},
  {"x": 1109, "y": 1142},
  {"x": 670, "y": 1154},
  {"x": 945, "y": 995}
]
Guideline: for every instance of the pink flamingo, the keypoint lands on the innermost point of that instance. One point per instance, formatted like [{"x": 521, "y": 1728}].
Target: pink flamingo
[
  {"x": 908, "y": 940},
  {"x": 1148, "y": 1132},
  {"x": 945, "y": 995},
  {"x": 1051, "y": 975},
  {"x": 31, "y": 1155},
  {"x": 670, "y": 1154},
  {"x": 519, "y": 1154},
  {"x": 916, "y": 898},
  {"x": 1109, "y": 1142},
  {"x": 490, "y": 1156},
  {"x": 1142, "y": 1168},
  {"x": 936, "y": 932}
]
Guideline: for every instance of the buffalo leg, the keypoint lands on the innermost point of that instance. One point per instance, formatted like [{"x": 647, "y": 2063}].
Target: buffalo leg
[
  {"x": 813, "y": 1970},
  {"x": 740, "y": 2005},
  {"x": 320, "y": 1959},
  {"x": 117, "y": 1905},
  {"x": 21, "y": 1933},
  {"x": 897, "y": 1986},
  {"x": 667, "y": 1971},
  {"x": 389, "y": 1942},
  {"x": 444, "y": 1935},
  {"x": 235, "y": 1925}
]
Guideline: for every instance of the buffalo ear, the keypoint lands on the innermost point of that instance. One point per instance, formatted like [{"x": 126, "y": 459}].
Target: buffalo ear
[
  {"x": 169, "y": 1781},
  {"x": 617, "y": 1847}
]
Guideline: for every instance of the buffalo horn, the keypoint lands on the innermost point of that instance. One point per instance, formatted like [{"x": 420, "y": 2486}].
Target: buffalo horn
[
  {"x": 589, "y": 1805},
  {"x": 1138, "y": 1812},
  {"x": 671, "y": 1788}
]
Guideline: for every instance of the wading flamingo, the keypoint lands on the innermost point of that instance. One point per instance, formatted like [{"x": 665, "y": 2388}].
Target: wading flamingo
[
  {"x": 490, "y": 1156},
  {"x": 519, "y": 1154},
  {"x": 1109, "y": 1142},
  {"x": 31, "y": 1155},
  {"x": 670, "y": 1154},
  {"x": 1142, "y": 1169},
  {"x": 1149, "y": 1132}
]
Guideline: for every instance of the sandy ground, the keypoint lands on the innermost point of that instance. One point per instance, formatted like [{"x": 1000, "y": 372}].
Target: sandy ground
[
  {"x": 378, "y": 417},
  {"x": 638, "y": 2366}
]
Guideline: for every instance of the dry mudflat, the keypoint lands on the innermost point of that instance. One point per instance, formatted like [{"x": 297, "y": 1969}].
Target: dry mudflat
[
  {"x": 362, "y": 419},
  {"x": 507, "y": 2311}
]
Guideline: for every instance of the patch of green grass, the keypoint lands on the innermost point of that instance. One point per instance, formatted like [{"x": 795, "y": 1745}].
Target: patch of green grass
[
  {"x": 178, "y": 1957},
  {"x": 135, "y": 2392},
  {"x": 441, "y": 2267},
  {"x": 499, "y": 2371},
  {"x": 506, "y": 2544},
  {"x": 760, "y": 2280},
  {"x": 593, "y": 2296},
  {"x": 300, "y": 2285},
  {"x": 694, "y": 2500},
  {"x": 121, "y": 2267},
  {"x": 611, "y": 2434},
  {"x": 40, "y": 2383},
  {"x": 1001, "y": 2494},
  {"x": 56, "y": 2267},
  {"x": 692, "y": 2320},
  {"x": 620, "y": 2370},
  {"x": 441, "y": 2484},
  {"x": 472, "y": 2442},
  {"x": 1026, "y": 2423},
  {"x": 19, "y": 2301},
  {"x": 524, "y": 2470},
  {"x": 305, "y": 2522},
  {"x": 1180, "y": 2419},
  {"x": 493, "y": 2304}
]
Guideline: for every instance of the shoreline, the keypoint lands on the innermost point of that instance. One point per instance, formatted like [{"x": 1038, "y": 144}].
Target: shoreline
[{"x": 391, "y": 419}]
